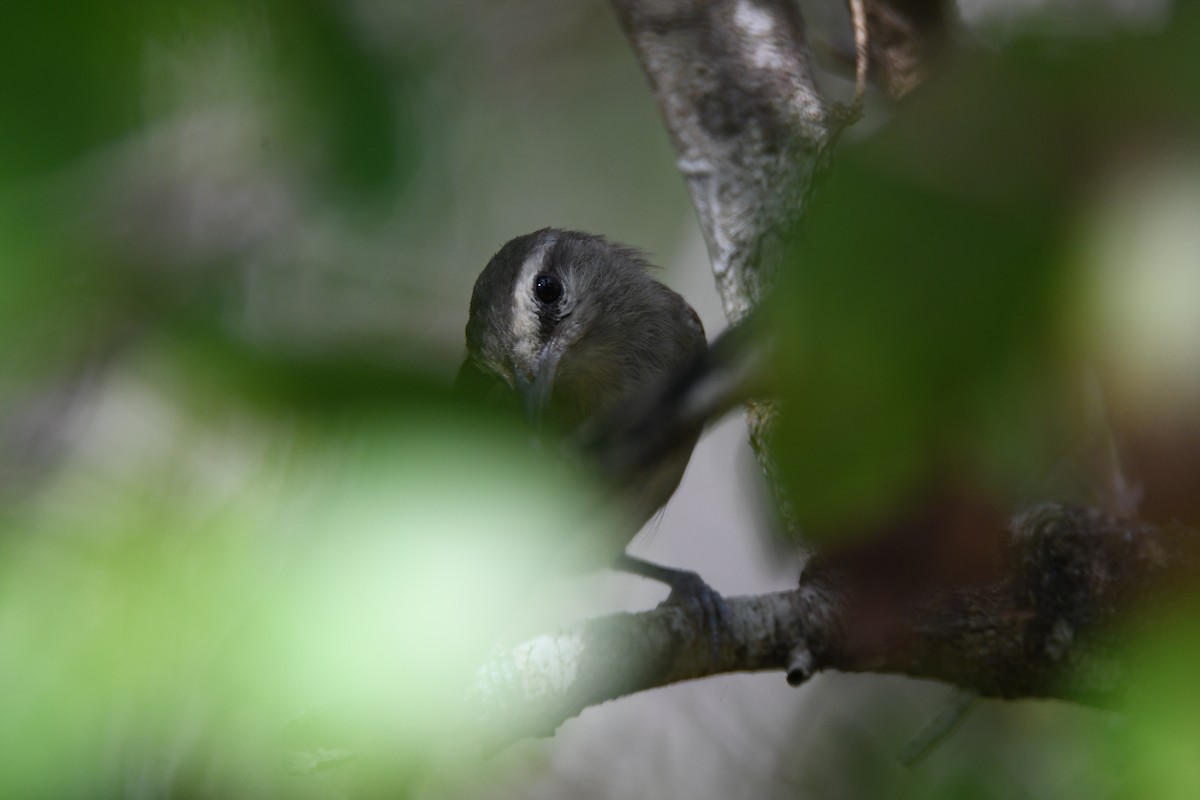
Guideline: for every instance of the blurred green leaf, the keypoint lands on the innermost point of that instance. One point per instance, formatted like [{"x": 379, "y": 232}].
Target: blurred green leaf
[
  {"x": 1158, "y": 739},
  {"x": 69, "y": 75},
  {"x": 926, "y": 299},
  {"x": 345, "y": 93},
  {"x": 160, "y": 624}
]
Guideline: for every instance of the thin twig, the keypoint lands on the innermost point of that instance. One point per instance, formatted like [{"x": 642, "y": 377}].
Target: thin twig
[{"x": 862, "y": 55}]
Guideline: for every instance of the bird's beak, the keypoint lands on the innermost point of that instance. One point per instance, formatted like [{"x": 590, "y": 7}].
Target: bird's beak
[{"x": 535, "y": 393}]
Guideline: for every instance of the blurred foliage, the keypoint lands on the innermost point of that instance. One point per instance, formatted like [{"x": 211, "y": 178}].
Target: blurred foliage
[
  {"x": 1156, "y": 744},
  {"x": 243, "y": 520},
  {"x": 77, "y": 79},
  {"x": 204, "y": 532},
  {"x": 72, "y": 72},
  {"x": 937, "y": 311},
  {"x": 994, "y": 300},
  {"x": 66, "y": 73},
  {"x": 159, "y": 628}
]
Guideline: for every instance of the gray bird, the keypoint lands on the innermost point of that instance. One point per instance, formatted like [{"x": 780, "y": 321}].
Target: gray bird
[{"x": 577, "y": 328}]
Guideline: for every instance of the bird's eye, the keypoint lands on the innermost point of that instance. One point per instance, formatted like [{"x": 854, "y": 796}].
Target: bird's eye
[{"x": 547, "y": 289}]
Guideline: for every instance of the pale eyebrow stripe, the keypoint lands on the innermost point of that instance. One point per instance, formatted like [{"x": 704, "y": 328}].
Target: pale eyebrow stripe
[{"x": 525, "y": 323}]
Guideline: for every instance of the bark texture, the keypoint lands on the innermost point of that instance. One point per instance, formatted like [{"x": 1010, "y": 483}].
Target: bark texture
[
  {"x": 1052, "y": 622},
  {"x": 736, "y": 89}
]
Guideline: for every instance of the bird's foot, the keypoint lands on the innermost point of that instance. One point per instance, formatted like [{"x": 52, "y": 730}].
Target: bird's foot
[{"x": 689, "y": 591}]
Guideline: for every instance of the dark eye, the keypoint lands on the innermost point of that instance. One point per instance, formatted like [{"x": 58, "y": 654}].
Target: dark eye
[{"x": 547, "y": 289}]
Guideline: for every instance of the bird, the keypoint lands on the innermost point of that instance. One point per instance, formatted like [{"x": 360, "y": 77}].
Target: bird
[{"x": 575, "y": 328}]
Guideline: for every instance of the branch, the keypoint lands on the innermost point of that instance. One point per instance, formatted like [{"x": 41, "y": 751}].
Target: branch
[
  {"x": 736, "y": 90},
  {"x": 1045, "y": 625},
  {"x": 735, "y": 86}
]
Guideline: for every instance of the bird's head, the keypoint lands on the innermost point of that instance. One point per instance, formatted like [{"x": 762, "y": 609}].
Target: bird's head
[{"x": 575, "y": 324}]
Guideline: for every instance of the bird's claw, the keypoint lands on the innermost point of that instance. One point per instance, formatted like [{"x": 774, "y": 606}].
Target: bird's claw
[{"x": 689, "y": 591}]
